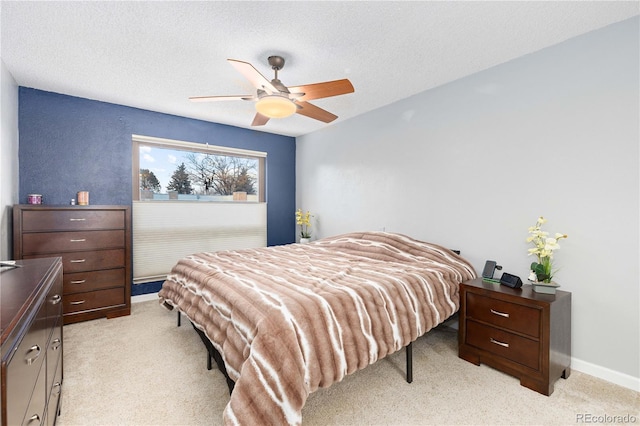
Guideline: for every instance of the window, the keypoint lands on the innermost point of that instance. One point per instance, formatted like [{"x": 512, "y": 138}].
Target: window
[
  {"x": 167, "y": 170},
  {"x": 171, "y": 179}
]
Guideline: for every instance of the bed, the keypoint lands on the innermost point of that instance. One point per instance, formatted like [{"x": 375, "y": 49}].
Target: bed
[{"x": 287, "y": 320}]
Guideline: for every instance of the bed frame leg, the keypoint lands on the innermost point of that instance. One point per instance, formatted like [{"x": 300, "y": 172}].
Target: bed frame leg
[
  {"x": 179, "y": 318},
  {"x": 409, "y": 353}
]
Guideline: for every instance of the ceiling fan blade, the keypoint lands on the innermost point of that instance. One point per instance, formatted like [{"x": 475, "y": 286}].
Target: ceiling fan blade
[
  {"x": 317, "y": 113},
  {"x": 222, "y": 98},
  {"x": 323, "y": 90},
  {"x": 253, "y": 75},
  {"x": 259, "y": 120}
]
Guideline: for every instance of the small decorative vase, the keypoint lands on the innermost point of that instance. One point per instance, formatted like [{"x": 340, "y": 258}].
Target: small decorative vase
[
  {"x": 544, "y": 288},
  {"x": 305, "y": 240}
]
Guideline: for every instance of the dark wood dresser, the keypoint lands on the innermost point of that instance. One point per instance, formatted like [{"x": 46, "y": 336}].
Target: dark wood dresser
[
  {"x": 95, "y": 245},
  {"x": 517, "y": 331},
  {"x": 31, "y": 322}
]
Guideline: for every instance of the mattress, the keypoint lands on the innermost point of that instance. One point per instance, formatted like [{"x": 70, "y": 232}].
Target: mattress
[{"x": 290, "y": 319}]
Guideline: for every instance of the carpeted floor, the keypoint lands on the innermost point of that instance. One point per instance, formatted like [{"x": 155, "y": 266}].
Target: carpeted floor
[{"x": 144, "y": 370}]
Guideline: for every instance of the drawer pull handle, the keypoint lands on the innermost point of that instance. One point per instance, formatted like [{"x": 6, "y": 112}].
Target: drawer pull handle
[
  {"x": 78, "y": 281},
  {"x": 55, "y": 345},
  {"x": 73, "y": 219},
  {"x": 77, "y": 302},
  {"x": 502, "y": 314},
  {"x": 78, "y": 261},
  {"x": 32, "y": 349},
  {"x": 33, "y": 418},
  {"x": 56, "y": 299},
  {"x": 79, "y": 240},
  {"x": 499, "y": 343}
]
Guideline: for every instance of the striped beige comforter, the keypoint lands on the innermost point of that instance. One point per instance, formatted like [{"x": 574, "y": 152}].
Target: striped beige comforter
[{"x": 290, "y": 319}]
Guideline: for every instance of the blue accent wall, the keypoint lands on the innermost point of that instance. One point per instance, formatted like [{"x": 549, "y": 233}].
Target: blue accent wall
[{"x": 69, "y": 144}]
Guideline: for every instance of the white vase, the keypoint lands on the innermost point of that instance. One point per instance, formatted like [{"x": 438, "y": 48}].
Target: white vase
[{"x": 305, "y": 240}]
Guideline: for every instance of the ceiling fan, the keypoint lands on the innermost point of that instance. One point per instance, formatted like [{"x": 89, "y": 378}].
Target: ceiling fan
[{"x": 275, "y": 100}]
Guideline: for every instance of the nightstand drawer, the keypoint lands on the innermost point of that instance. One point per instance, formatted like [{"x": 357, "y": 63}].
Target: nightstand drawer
[
  {"x": 72, "y": 220},
  {"x": 512, "y": 316},
  {"x": 57, "y": 242},
  {"x": 504, "y": 344}
]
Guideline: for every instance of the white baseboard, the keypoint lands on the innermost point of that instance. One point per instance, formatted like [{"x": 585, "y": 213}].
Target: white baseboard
[
  {"x": 144, "y": 297},
  {"x": 607, "y": 374}
]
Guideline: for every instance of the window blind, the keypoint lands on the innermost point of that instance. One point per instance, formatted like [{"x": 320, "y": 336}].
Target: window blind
[{"x": 164, "y": 232}]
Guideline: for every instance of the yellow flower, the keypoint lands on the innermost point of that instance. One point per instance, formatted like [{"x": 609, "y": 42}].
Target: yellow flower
[{"x": 304, "y": 220}]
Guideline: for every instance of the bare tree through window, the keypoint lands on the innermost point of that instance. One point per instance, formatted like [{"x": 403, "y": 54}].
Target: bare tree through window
[
  {"x": 192, "y": 172},
  {"x": 222, "y": 175}
]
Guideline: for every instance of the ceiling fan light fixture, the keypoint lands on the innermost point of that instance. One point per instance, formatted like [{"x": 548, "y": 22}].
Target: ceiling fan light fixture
[
  {"x": 275, "y": 106},
  {"x": 275, "y": 100}
]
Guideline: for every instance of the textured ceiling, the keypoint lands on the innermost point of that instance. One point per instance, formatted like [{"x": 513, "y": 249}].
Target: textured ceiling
[{"x": 154, "y": 55}]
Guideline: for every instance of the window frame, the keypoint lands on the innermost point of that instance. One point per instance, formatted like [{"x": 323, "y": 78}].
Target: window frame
[{"x": 140, "y": 140}]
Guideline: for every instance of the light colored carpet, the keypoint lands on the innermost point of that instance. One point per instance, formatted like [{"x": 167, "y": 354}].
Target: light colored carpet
[{"x": 144, "y": 370}]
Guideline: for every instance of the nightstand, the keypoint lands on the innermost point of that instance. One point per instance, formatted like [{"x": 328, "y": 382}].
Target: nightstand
[{"x": 517, "y": 331}]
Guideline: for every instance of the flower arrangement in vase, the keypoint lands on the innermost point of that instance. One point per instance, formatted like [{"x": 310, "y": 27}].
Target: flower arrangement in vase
[
  {"x": 304, "y": 220},
  {"x": 542, "y": 271}
]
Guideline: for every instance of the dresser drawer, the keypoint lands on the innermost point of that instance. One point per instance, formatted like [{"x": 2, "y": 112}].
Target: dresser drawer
[
  {"x": 54, "y": 353},
  {"x": 24, "y": 368},
  {"x": 56, "y": 242},
  {"x": 504, "y": 344},
  {"x": 512, "y": 316},
  {"x": 89, "y": 260},
  {"x": 54, "y": 396},
  {"x": 71, "y": 220},
  {"x": 93, "y": 300},
  {"x": 54, "y": 302},
  {"x": 93, "y": 280},
  {"x": 36, "y": 409}
]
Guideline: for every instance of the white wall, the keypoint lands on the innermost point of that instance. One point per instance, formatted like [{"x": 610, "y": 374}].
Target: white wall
[
  {"x": 8, "y": 157},
  {"x": 473, "y": 163}
]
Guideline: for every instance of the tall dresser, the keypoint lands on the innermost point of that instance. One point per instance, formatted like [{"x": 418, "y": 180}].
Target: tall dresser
[
  {"x": 94, "y": 243},
  {"x": 31, "y": 324}
]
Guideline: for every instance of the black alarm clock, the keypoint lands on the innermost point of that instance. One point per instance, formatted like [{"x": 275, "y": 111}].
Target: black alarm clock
[{"x": 509, "y": 280}]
